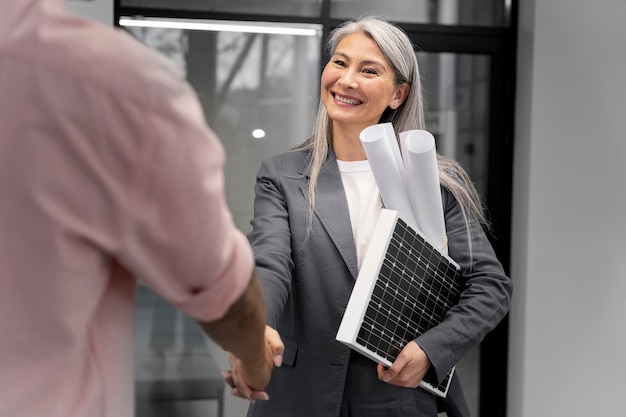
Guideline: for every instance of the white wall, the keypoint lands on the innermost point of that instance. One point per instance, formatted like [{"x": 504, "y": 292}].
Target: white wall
[
  {"x": 568, "y": 320},
  {"x": 101, "y": 10}
]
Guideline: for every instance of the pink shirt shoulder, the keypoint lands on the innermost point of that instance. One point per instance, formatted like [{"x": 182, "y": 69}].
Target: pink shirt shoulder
[{"x": 108, "y": 174}]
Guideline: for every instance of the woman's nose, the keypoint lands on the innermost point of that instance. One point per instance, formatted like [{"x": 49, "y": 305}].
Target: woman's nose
[{"x": 348, "y": 79}]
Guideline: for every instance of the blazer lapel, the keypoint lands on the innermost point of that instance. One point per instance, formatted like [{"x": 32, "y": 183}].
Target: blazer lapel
[{"x": 331, "y": 208}]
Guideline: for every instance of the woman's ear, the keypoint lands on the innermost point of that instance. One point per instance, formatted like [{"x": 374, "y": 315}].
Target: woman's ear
[{"x": 401, "y": 93}]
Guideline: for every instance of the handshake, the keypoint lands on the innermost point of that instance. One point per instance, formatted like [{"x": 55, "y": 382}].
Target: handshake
[{"x": 248, "y": 379}]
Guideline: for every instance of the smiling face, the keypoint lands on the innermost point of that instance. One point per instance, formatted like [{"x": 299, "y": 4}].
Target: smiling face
[{"x": 358, "y": 83}]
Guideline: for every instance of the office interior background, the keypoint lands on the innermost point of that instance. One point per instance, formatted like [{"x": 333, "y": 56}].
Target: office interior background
[{"x": 528, "y": 96}]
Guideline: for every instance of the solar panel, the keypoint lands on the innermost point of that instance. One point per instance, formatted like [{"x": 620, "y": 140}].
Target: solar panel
[{"x": 404, "y": 288}]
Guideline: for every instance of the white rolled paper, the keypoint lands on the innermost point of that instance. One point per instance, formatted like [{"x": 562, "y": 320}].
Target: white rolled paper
[
  {"x": 395, "y": 148},
  {"x": 387, "y": 172},
  {"x": 422, "y": 179}
]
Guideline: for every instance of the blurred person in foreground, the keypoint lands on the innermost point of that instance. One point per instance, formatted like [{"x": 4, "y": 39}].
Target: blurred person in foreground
[{"x": 108, "y": 175}]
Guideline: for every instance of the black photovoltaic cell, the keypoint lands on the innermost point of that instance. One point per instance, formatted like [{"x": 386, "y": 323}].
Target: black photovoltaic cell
[{"x": 415, "y": 287}]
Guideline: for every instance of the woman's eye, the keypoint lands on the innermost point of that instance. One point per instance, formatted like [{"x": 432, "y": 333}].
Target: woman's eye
[
  {"x": 339, "y": 62},
  {"x": 370, "y": 71}
]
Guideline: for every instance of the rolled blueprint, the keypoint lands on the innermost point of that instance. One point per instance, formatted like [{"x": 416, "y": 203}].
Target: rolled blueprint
[
  {"x": 388, "y": 172},
  {"x": 395, "y": 148},
  {"x": 422, "y": 175}
]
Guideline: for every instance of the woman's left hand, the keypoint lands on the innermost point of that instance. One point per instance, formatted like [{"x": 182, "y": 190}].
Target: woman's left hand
[{"x": 408, "y": 369}]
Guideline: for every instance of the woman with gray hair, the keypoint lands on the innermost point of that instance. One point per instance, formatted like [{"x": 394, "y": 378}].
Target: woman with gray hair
[{"x": 315, "y": 210}]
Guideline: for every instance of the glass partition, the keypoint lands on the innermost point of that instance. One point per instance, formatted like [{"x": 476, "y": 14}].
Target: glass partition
[
  {"x": 259, "y": 92},
  {"x": 258, "y": 84},
  {"x": 456, "y": 93}
]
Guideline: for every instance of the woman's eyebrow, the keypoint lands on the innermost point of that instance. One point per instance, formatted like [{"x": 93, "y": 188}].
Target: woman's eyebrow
[{"x": 365, "y": 62}]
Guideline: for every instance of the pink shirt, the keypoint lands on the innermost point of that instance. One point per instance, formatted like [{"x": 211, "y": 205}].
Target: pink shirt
[{"x": 108, "y": 174}]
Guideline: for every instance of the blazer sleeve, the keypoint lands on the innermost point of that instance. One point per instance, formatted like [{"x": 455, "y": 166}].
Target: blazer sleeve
[
  {"x": 485, "y": 296},
  {"x": 271, "y": 239}
]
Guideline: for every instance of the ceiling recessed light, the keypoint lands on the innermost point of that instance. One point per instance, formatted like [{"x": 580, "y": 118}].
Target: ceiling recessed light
[{"x": 258, "y": 133}]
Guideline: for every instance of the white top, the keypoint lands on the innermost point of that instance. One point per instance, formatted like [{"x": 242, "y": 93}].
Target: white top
[{"x": 364, "y": 202}]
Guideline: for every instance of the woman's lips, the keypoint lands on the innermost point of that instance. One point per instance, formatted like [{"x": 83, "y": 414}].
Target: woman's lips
[{"x": 346, "y": 100}]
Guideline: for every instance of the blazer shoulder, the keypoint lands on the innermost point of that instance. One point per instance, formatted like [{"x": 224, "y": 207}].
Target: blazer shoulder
[{"x": 291, "y": 162}]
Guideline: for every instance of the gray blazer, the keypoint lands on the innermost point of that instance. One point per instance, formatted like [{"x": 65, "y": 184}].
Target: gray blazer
[{"x": 308, "y": 275}]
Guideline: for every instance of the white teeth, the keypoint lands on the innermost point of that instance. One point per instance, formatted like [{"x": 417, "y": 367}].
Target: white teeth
[{"x": 346, "y": 100}]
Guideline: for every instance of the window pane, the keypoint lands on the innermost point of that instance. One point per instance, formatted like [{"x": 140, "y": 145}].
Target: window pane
[
  {"x": 444, "y": 12},
  {"x": 456, "y": 93},
  {"x": 300, "y": 8},
  {"x": 259, "y": 93},
  {"x": 251, "y": 82}
]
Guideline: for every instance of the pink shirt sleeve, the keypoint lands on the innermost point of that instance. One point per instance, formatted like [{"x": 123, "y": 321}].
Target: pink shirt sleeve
[{"x": 179, "y": 237}]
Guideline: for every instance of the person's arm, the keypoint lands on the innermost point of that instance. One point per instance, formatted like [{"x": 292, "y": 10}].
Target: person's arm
[
  {"x": 241, "y": 332},
  {"x": 484, "y": 300},
  {"x": 271, "y": 238},
  {"x": 234, "y": 373},
  {"x": 199, "y": 262}
]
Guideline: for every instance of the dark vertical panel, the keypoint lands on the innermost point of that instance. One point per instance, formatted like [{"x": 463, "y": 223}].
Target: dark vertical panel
[
  {"x": 494, "y": 349},
  {"x": 201, "y": 69}
]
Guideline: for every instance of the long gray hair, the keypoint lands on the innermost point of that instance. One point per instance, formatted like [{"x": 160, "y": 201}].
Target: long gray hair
[{"x": 398, "y": 50}]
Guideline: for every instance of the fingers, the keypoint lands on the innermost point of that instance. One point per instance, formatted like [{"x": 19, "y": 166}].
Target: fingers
[
  {"x": 388, "y": 374},
  {"x": 255, "y": 396},
  {"x": 242, "y": 378},
  {"x": 239, "y": 388},
  {"x": 276, "y": 345},
  {"x": 382, "y": 372},
  {"x": 408, "y": 369},
  {"x": 246, "y": 394}
]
